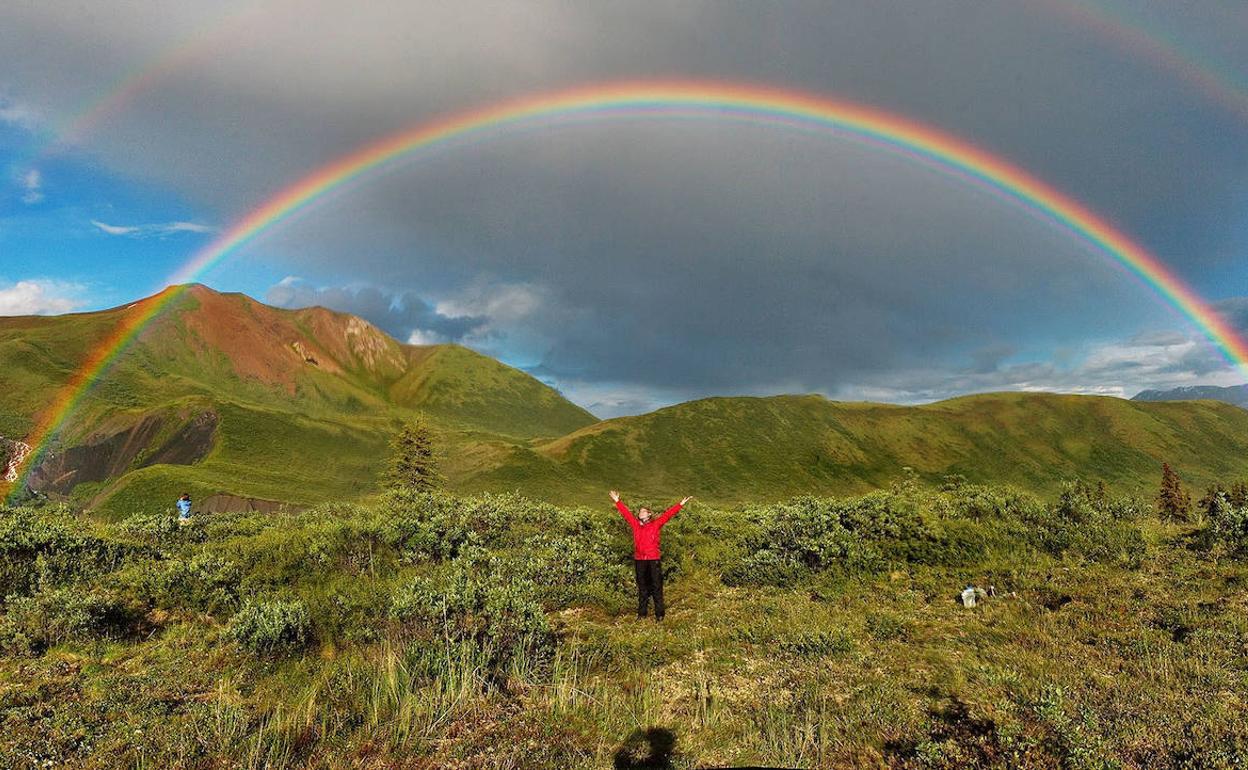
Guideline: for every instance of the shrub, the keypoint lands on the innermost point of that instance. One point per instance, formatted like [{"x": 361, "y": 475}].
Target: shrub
[
  {"x": 501, "y": 617},
  {"x": 354, "y": 608},
  {"x": 765, "y": 567},
  {"x": 271, "y": 626},
  {"x": 1228, "y": 525},
  {"x": 39, "y": 549},
  {"x": 31, "y": 624},
  {"x": 436, "y": 526},
  {"x": 1091, "y": 526},
  {"x": 157, "y": 528},
  {"x": 204, "y": 582},
  {"x": 572, "y": 569}
]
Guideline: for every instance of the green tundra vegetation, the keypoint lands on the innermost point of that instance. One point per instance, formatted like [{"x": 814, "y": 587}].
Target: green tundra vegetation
[{"x": 426, "y": 630}]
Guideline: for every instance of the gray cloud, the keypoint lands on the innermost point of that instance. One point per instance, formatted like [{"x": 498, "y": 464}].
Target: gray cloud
[
  {"x": 1118, "y": 368},
  {"x": 677, "y": 258},
  {"x": 1235, "y": 311}
]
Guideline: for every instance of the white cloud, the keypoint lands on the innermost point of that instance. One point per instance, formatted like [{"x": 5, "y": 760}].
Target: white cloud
[
  {"x": 32, "y": 185},
  {"x": 155, "y": 230},
  {"x": 425, "y": 337},
  {"x": 40, "y": 297},
  {"x": 114, "y": 229},
  {"x": 501, "y": 303}
]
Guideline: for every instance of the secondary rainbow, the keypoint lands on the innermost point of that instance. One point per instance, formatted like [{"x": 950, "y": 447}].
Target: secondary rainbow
[
  {"x": 133, "y": 85},
  {"x": 750, "y": 103},
  {"x": 1211, "y": 81}
]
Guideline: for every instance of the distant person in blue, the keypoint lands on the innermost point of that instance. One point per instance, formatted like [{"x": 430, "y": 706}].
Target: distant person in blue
[{"x": 184, "y": 508}]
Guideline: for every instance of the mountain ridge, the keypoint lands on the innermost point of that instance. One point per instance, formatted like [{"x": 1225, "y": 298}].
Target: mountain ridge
[{"x": 1233, "y": 394}]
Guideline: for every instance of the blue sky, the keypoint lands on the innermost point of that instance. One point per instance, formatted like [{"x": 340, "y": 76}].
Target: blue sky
[{"x": 633, "y": 265}]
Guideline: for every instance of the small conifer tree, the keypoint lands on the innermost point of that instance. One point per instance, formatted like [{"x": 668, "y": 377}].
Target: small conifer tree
[
  {"x": 413, "y": 463},
  {"x": 1238, "y": 496},
  {"x": 1207, "y": 506},
  {"x": 1173, "y": 502}
]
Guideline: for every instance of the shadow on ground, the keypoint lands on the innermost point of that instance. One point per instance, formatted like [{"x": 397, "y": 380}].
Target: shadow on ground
[{"x": 654, "y": 748}]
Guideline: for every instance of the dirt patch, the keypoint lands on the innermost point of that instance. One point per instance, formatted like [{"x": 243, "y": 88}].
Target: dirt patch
[
  {"x": 109, "y": 456},
  {"x": 226, "y": 503},
  {"x": 260, "y": 342}
]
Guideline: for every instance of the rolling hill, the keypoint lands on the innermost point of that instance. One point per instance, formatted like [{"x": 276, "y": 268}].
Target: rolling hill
[
  {"x": 727, "y": 449},
  {"x": 225, "y": 395}
]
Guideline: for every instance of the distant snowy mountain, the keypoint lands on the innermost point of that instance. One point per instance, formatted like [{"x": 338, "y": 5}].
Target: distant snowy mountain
[{"x": 1236, "y": 394}]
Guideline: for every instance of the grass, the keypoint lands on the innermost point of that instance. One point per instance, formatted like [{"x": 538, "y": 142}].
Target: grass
[
  {"x": 730, "y": 449},
  {"x": 506, "y": 656}
]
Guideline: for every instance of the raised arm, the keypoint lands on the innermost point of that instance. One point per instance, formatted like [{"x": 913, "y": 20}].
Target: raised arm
[
  {"x": 623, "y": 509},
  {"x": 670, "y": 512}
]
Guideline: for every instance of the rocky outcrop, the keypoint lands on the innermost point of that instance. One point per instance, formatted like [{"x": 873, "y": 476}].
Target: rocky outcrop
[{"x": 13, "y": 455}]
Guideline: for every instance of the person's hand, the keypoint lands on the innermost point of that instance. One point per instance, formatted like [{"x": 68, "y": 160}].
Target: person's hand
[
  {"x": 615, "y": 496},
  {"x": 687, "y": 499}
]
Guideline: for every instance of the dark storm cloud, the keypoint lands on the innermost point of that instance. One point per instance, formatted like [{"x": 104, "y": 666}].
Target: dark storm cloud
[
  {"x": 687, "y": 258},
  {"x": 1235, "y": 311},
  {"x": 398, "y": 314}
]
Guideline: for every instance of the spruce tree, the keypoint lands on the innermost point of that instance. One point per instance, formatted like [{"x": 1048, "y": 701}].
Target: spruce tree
[
  {"x": 413, "y": 464},
  {"x": 1173, "y": 502}
]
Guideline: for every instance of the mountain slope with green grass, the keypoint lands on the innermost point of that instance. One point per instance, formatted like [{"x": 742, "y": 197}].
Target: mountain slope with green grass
[
  {"x": 731, "y": 449},
  {"x": 301, "y": 403}
]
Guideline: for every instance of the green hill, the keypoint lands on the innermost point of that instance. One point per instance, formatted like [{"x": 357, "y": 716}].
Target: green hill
[
  {"x": 295, "y": 406},
  {"x": 730, "y": 449}
]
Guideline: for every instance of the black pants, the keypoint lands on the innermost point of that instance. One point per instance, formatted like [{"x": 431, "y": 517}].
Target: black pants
[{"x": 649, "y": 583}]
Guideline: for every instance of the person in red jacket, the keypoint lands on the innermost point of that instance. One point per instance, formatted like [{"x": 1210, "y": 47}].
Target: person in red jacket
[{"x": 647, "y": 560}]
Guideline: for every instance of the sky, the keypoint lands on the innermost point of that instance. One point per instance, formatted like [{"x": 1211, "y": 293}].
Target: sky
[{"x": 641, "y": 262}]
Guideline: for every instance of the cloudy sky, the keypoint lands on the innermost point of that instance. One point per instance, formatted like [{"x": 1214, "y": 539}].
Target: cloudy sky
[{"x": 634, "y": 263}]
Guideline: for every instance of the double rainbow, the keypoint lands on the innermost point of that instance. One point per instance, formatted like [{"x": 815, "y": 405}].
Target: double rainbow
[{"x": 744, "y": 103}]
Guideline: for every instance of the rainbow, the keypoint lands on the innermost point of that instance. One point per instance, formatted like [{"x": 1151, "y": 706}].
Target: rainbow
[
  {"x": 749, "y": 103},
  {"x": 133, "y": 84},
  {"x": 1165, "y": 54}
]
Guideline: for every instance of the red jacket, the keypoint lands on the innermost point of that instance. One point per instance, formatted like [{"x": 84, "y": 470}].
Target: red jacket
[{"x": 646, "y": 536}]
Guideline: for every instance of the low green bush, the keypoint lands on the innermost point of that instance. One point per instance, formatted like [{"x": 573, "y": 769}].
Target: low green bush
[
  {"x": 433, "y": 525},
  {"x": 1227, "y": 525},
  {"x": 501, "y": 616},
  {"x": 271, "y": 626},
  {"x": 32, "y": 624},
  {"x": 43, "y": 548},
  {"x": 961, "y": 526},
  {"x": 202, "y": 582}
]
